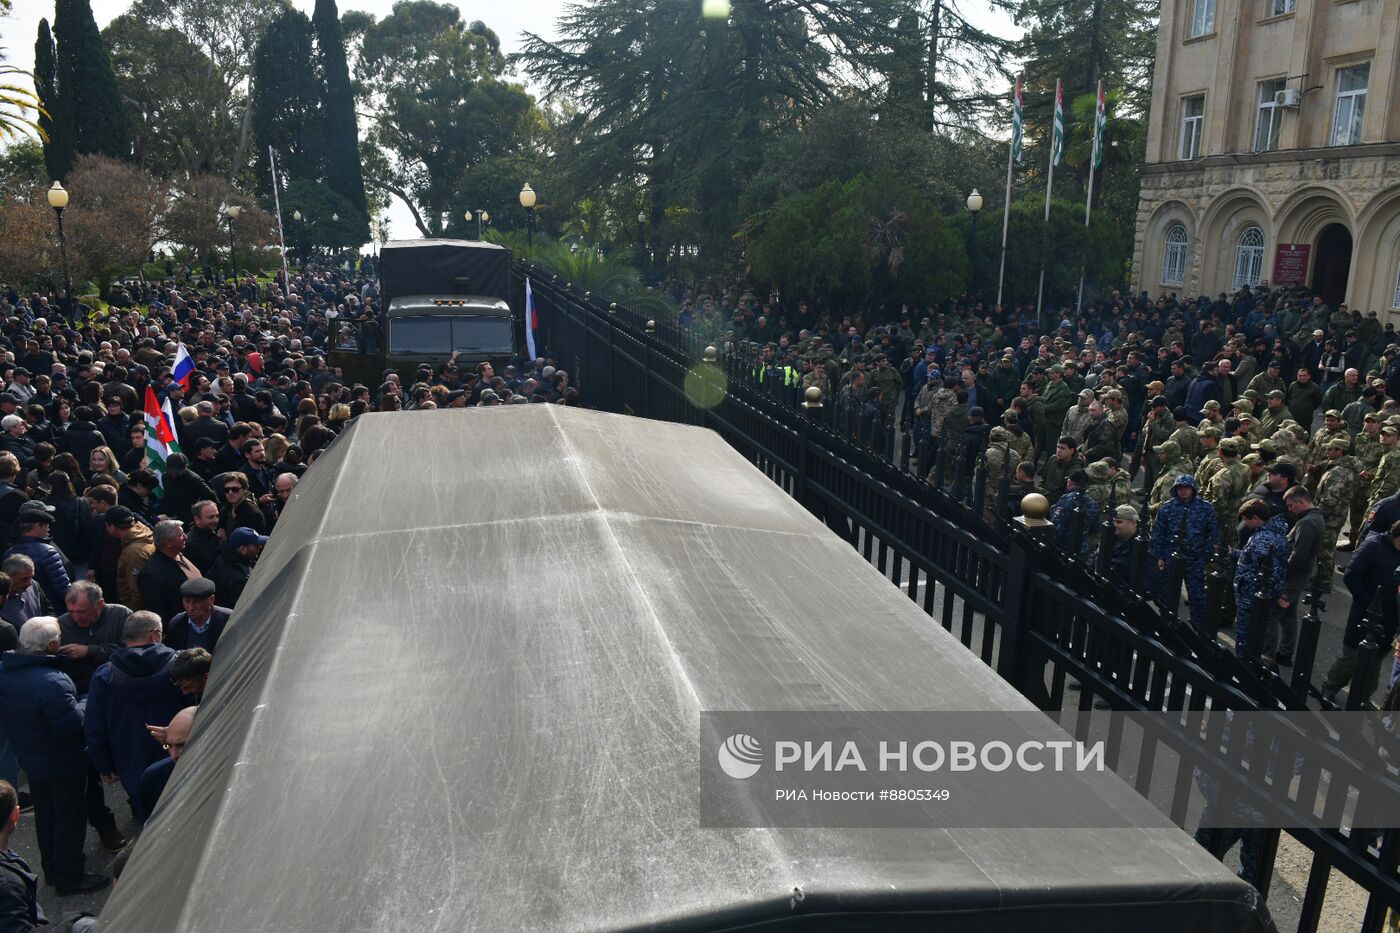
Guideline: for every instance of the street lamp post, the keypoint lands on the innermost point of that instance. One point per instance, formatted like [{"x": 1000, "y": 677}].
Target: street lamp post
[
  {"x": 233, "y": 212},
  {"x": 642, "y": 232},
  {"x": 974, "y": 204},
  {"x": 481, "y": 216},
  {"x": 58, "y": 200},
  {"x": 527, "y": 201}
]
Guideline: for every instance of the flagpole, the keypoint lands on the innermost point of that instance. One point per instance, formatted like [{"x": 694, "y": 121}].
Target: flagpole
[
  {"x": 1006, "y": 205},
  {"x": 1089, "y": 199},
  {"x": 281, "y": 239},
  {"x": 1049, "y": 185}
]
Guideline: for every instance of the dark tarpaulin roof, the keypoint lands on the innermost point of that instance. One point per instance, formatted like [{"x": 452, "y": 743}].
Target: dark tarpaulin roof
[
  {"x": 461, "y": 692},
  {"x": 432, "y": 267}
]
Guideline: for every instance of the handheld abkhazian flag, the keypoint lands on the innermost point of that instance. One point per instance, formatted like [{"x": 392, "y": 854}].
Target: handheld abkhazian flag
[
  {"x": 1016, "y": 122},
  {"x": 160, "y": 437},
  {"x": 531, "y": 319},
  {"x": 1057, "y": 137},
  {"x": 184, "y": 367}
]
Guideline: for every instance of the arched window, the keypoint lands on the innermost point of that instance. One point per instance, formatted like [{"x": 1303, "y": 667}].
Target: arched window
[
  {"x": 1249, "y": 259},
  {"x": 1174, "y": 256},
  {"x": 1397, "y": 290}
]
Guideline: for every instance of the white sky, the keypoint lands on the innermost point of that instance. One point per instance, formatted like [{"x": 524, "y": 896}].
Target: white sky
[{"x": 509, "y": 20}]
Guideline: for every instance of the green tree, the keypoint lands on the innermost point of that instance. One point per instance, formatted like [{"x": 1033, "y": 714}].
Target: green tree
[
  {"x": 439, "y": 106},
  {"x": 286, "y": 102},
  {"x": 57, "y": 137},
  {"x": 21, "y": 170},
  {"x": 681, "y": 105},
  {"x": 87, "y": 87},
  {"x": 187, "y": 123},
  {"x": 1064, "y": 245},
  {"x": 342, "y": 134},
  {"x": 227, "y": 32},
  {"x": 943, "y": 67}
]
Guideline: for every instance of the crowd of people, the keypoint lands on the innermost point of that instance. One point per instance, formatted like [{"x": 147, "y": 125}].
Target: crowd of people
[
  {"x": 120, "y": 571},
  {"x": 1184, "y": 417}
]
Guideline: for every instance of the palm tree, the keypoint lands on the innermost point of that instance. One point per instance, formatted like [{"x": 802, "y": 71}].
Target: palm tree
[{"x": 16, "y": 101}]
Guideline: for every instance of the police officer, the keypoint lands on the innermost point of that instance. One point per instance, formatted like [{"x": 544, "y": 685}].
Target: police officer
[
  {"x": 1267, "y": 547},
  {"x": 1186, "y": 510}
]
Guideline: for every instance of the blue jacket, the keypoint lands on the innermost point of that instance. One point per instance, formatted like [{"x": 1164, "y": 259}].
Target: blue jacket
[
  {"x": 1062, "y": 516},
  {"x": 1268, "y": 545},
  {"x": 39, "y": 709},
  {"x": 1202, "y": 531},
  {"x": 49, "y": 569},
  {"x": 131, "y": 690},
  {"x": 1371, "y": 569}
]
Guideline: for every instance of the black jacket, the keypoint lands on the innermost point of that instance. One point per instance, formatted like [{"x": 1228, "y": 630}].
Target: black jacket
[
  {"x": 182, "y": 491},
  {"x": 19, "y": 896},
  {"x": 231, "y": 575},
  {"x": 203, "y": 548},
  {"x": 160, "y": 581},
  {"x": 207, "y": 426},
  {"x": 80, "y": 440},
  {"x": 179, "y": 635},
  {"x": 104, "y": 637}
]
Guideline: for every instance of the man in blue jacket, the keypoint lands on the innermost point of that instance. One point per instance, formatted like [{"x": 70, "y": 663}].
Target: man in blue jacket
[
  {"x": 128, "y": 692},
  {"x": 50, "y": 570},
  {"x": 1191, "y": 518},
  {"x": 39, "y": 709}
]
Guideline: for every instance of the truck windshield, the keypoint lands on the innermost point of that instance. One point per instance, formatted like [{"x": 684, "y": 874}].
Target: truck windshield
[{"x": 441, "y": 334}]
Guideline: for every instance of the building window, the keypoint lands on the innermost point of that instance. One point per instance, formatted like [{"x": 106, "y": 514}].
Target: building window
[
  {"x": 1351, "y": 104},
  {"x": 1174, "y": 256},
  {"x": 1280, "y": 7},
  {"x": 1269, "y": 119},
  {"x": 1249, "y": 259},
  {"x": 1397, "y": 290},
  {"x": 1202, "y": 18},
  {"x": 1193, "y": 118}
]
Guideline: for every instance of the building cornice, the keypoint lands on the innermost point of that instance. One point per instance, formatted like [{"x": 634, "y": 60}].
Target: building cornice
[{"x": 1327, "y": 154}]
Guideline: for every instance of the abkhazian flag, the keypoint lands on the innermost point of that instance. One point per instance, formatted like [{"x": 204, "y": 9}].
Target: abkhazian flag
[
  {"x": 531, "y": 320},
  {"x": 184, "y": 367},
  {"x": 160, "y": 436},
  {"x": 1100, "y": 124},
  {"x": 1057, "y": 137},
  {"x": 1016, "y": 122}
]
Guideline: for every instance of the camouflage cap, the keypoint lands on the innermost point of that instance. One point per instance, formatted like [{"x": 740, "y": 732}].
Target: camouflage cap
[
  {"x": 1233, "y": 446},
  {"x": 1099, "y": 470},
  {"x": 1058, "y": 368},
  {"x": 1211, "y": 405},
  {"x": 1252, "y": 460},
  {"x": 1340, "y": 442},
  {"x": 1251, "y": 394},
  {"x": 1277, "y": 393},
  {"x": 999, "y": 436},
  {"x": 1371, "y": 416},
  {"x": 1170, "y": 449},
  {"x": 1244, "y": 405},
  {"x": 1209, "y": 430},
  {"x": 1390, "y": 430},
  {"x": 1393, "y": 419},
  {"x": 1331, "y": 413},
  {"x": 1010, "y": 417},
  {"x": 1086, "y": 393},
  {"x": 1114, "y": 395},
  {"x": 1126, "y": 512}
]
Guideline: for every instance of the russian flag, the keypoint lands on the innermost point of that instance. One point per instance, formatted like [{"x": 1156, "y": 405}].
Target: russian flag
[
  {"x": 184, "y": 367},
  {"x": 531, "y": 320}
]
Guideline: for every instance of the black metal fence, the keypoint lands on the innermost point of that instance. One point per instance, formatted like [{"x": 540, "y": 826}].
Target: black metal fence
[{"x": 1046, "y": 621}]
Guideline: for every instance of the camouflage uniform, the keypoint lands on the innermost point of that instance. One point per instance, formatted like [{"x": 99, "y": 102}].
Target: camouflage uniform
[
  {"x": 1197, "y": 544},
  {"x": 1334, "y": 502},
  {"x": 1227, "y": 487},
  {"x": 1100, "y": 490},
  {"x": 1366, "y": 448},
  {"x": 1386, "y": 482},
  {"x": 1207, "y": 466},
  {"x": 1157, "y": 430},
  {"x": 1317, "y": 461},
  {"x": 1188, "y": 442},
  {"x": 999, "y": 453},
  {"x": 1078, "y": 422},
  {"x": 1117, "y": 417},
  {"x": 1273, "y": 418},
  {"x": 1062, "y": 517},
  {"x": 1268, "y": 545}
]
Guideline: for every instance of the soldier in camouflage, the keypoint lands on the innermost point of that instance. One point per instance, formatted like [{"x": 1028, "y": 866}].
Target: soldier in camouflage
[
  {"x": 1020, "y": 440},
  {"x": 1387, "y": 478},
  {"x": 1275, "y": 415},
  {"x": 1317, "y": 459},
  {"x": 1117, "y": 417},
  {"x": 1000, "y": 458},
  {"x": 1171, "y": 462},
  {"x": 1366, "y": 448},
  {"x": 1227, "y": 487},
  {"x": 1158, "y": 428},
  {"x": 1210, "y": 459},
  {"x": 1080, "y": 418},
  {"x": 1333, "y": 500},
  {"x": 1185, "y": 436},
  {"x": 1184, "y": 509}
]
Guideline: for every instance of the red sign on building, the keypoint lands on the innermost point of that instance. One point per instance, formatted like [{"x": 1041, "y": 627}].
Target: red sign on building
[{"x": 1291, "y": 263}]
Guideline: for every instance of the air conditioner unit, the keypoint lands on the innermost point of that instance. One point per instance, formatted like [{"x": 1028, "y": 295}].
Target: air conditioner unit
[{"x": 1287, "y": 97}]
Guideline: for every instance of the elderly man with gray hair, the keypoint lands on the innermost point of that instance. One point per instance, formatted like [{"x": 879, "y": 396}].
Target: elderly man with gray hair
[
  {"x": 40, "y": 714},
  {"x": 167, "y": 570},
  {"x": 20, "y": 592}
]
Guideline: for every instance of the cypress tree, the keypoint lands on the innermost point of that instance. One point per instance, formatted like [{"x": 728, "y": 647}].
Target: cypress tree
[
  {"x": 343, "y": 172},
  {"x": 57, "y": 130},
  {"x": 287, "y": 101},
  {"x": 87, "y": 87}
]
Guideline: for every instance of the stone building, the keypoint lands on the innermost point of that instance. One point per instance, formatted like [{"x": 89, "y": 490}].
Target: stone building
[{"x": 1273, "y": 150}]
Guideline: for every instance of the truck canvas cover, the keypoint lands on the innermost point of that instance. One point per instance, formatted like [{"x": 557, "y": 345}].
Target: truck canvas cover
[
  {"x": 463, "y": 691},
  {"x": 433, "y": 267}
]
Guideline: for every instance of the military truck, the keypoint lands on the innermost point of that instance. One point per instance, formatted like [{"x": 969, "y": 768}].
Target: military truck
[{"x": 443, "y": 300}]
